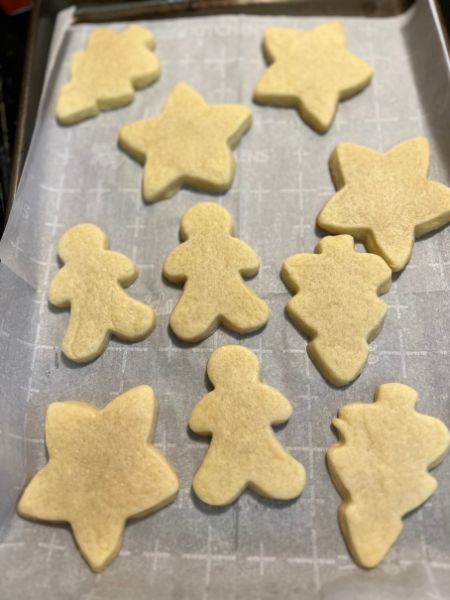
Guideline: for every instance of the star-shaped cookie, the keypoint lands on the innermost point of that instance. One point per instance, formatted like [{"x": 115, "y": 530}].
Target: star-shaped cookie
[
  {"x": 311, "y": 71},
  {"x": 105, "y": 75},
  {"x": 386, "y": 199},
  {"x": 189, "y": 143},
  {"x": 101, "y": 471}
]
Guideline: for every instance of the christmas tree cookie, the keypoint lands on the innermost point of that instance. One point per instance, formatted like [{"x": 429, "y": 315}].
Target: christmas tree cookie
[
  {"x": 336, "y": 304},
  {"x": 211, "y": 263},
  {"x": 190, "y": 143},
  {"x": 101, "y": 471},
  {"x": 91, "y": 283},
  {"x": 380, "y": 468},
  {"x": 385, "y": 198},
  {"x": 244, "y": 451},
  {"x": 105, "y": 75},
  {"x": 311, "y": 71}
]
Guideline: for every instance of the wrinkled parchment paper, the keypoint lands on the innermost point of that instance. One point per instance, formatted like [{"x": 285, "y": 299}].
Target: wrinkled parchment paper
[{"x": 254, "y": 549}]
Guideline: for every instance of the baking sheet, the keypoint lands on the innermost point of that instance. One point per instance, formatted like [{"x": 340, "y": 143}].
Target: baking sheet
[{"x": 256, "y": 548}]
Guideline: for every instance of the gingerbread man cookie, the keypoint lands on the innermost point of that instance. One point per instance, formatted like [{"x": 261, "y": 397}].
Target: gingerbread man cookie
[
  {"x": 91, "y": 283},
  {"x": 212, "y": 262},
  {"x": 105, "y": 75},
  {"x": 190, "y": 143},
  {"x": 311, "y": 71},
  {"x": 380, "y": 468},
  {"x": 386, "y": 199},
  {"x": 336, "y": 304},
  {"x": 244, "y": 451},
  {"x": 101, "y": 471}
]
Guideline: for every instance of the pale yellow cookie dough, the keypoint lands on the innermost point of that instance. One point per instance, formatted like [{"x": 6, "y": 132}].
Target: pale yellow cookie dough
[
  {"x": 244, "y": 451},
  {"x": 101, "y": 471},
  {"x": 386, "y": 199},
  {"x": 211, "y": 264},
  {"x": 380, "y": 468},
  {"x": 91, "y": 283},
  {"x": 336, "y": 304},
  {"x": 105, "y": 75},
  {"x": 312, "y": 71},
  {"x": 189, "y": 143}
]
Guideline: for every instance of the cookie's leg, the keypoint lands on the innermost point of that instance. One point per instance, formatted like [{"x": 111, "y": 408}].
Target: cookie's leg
[
  {"x": 86, "y": 336},
  {"x": 216, "y": 482},
  {"x": 193, "y": 318},
  {"x": 245, "y": 311},
  {"x": 279, "y": 476},
  {"x": 132, "y": 320}
]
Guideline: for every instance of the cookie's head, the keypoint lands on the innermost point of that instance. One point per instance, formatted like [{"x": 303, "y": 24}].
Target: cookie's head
[
  {"x": 81, "y": 240},
  {"x": 233, "y": 363},
  {"x": 205, "y": 217}
]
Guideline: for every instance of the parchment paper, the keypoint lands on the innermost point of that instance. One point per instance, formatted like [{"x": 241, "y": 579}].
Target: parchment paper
[{"x": 254, "y": 549}]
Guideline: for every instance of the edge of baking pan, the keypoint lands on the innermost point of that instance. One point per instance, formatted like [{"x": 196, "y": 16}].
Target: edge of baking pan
[
  {"x": 100, "y": 11},
  {"x": 45, "y": 11},
  {"x": 443, "y": 25}
]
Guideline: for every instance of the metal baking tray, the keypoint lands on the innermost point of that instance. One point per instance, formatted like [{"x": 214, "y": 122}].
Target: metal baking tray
[{"x": 256, "y": 548}]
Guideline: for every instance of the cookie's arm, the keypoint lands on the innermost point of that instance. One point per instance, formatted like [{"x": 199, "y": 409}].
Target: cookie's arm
[
  {"x": 61, "y": 290},
  {"x": 121, "y": 266},
  {"x": 176, "y": 267},
  {"x": 277, "y": 407},
  {"x": 247, "y": 261},
  {"x": 204, "y": 415}
]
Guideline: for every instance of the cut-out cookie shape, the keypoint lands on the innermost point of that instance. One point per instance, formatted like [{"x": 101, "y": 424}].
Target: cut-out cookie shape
[
  {"x": 190, "y": 143},
  {"x": 336, "y": 304},
  {"x": 380, "y": 468},
  {"x": 101, "y": 471},
  {"x": 212, "y": 263},
  {"x": 244, "y": 451},
  {"x": 311, "y": 71},
  {"x": 386, "y": 199},
  {"x": 91, "y": 283},
  {"x": 105, "y": 75}
]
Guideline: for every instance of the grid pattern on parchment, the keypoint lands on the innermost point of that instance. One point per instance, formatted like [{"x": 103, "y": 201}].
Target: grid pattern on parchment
[{"x": 255, "y": 548}]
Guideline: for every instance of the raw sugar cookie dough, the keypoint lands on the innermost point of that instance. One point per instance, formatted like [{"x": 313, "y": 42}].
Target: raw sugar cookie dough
[
  {"x": 189, "y": 143},
  {"x": 336, "y": 304},
  {"x": 105, "y": 75},
  {"x": 244, "y": 451},
  {"x": 380, "y": 468},
  {"x": 211, "y": 264},
  {"x": 385, "y": 199},
  {"x": 311, "y": 71},
  {"x": 91, "y": 283},
  {"x": 115, "y": 474}
]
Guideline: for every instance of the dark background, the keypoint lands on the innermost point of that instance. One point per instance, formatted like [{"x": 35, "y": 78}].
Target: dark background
[{"x": 13, "y": 37}]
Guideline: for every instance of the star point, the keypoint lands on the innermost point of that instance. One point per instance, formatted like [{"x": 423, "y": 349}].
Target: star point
[{"x": 189, "y": 143}]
